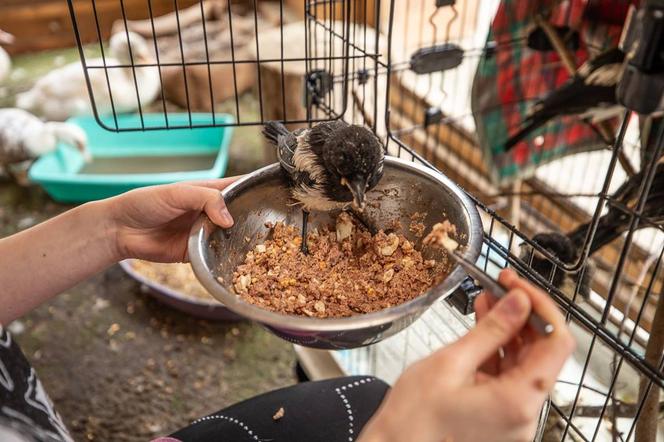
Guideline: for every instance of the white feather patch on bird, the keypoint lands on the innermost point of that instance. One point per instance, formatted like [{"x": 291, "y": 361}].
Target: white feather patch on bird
[
  {"x": 608, "y": 75},
  {"x": 313, "y": 199},
  {"x": 306, "y": 161}
]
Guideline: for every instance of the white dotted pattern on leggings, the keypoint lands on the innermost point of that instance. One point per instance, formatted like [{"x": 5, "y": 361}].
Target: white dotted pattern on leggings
[
  {"x": 340, "y": 391},
  {"x": 239, "y": 423}
]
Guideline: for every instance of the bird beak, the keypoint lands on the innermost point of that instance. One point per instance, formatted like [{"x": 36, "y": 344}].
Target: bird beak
[
  {"x": 6, "y": 38},
  {"x": 358, "y": 189},
  {"x": 85, "y": 153}
]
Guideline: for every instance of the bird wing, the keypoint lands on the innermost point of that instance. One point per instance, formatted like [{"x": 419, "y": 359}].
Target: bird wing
[
  {"x": 613, "y": 56},
  {"x": 574, "y": 98},
  {"x": 286, "y": 145},
  {"x": 593, "y": 86}
]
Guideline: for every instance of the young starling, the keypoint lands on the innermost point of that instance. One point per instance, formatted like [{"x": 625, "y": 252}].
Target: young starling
[
  {"x": 331, "y": 166},
  {"x": 590, "y": 94},
  {"x": 24, "y": 137}
]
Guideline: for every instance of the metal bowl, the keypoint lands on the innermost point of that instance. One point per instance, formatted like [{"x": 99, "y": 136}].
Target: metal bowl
[
  {"x": 264, "y": 196},
  {"x": 200, "y": 308}
]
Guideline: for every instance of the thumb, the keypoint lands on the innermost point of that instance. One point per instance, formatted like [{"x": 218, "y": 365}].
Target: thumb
[
  {"x": 210, "y": 201},
  {"x": 502, "y": 323},
  {"x": 215, "y": 208}
]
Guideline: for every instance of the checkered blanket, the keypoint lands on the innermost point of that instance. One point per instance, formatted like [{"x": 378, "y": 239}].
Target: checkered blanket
[{"x": 512, "y": 76}]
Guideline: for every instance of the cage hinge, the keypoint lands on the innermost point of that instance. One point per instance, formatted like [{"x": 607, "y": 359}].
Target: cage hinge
[
  {"x": 641, "y": 87},
  {"x": 463, "y": 298},
  {"x": 436, "y": 58},
  {"x": 317, "y": 84}
]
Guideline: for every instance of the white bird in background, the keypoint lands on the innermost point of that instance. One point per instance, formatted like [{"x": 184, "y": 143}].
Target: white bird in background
[
  {"x": 63, "y": 92},
  {"x": 24, "y": 137},
  {"x": 5, "y": 61}
]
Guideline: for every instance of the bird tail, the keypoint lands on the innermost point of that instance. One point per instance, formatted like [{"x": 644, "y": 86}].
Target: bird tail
[
  {"x": 607, "y": 231},
  {"x": 272, "y": 130},
  {"x": 533, "y": 123}
]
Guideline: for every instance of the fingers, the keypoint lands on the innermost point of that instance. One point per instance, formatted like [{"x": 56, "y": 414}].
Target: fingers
[
  {"x": 219, "y": 184},
  {"x": 203, "y": 199},
  {"x": 546, "y": 354},
  {"x": 483, "y": 305},
  {"x": 541, "y": 302},
  {"x": 498, "y": 327}
]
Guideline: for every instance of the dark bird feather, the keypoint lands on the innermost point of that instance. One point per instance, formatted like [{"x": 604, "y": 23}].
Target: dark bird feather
[
  {"x": 622, "y": 203},
  {"x": 562, "y": 248},
  {"x": 591, "y": 93}
]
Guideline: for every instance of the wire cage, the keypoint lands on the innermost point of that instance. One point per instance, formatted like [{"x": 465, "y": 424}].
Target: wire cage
[{"x": 444, "y": 83}]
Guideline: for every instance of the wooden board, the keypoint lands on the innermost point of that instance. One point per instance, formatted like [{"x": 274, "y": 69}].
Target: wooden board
[{"x": 46, "y": 24}]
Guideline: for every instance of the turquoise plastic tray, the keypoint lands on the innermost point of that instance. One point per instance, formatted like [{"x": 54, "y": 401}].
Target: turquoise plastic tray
[{"x": 58, "y": 171}]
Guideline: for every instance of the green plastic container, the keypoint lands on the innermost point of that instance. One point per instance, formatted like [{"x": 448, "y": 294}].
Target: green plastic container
[{"x": 127, "y": 160}]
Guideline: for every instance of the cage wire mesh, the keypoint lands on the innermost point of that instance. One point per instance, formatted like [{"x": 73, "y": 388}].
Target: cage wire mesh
[{"x": 412, "y": 71}]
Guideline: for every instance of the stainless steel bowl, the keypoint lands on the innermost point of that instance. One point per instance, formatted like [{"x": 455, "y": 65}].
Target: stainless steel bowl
[{"x": 263, "y": 196}]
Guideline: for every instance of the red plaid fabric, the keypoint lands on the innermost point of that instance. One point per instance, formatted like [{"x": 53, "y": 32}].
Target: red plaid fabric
[{"x": 511, "y": 77}]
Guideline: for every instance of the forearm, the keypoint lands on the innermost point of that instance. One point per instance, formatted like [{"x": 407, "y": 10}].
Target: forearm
[{"x": 41, "y": 262}]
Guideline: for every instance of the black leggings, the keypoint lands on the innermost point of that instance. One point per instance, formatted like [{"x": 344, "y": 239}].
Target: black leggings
[{"x": 325, "y": 411}]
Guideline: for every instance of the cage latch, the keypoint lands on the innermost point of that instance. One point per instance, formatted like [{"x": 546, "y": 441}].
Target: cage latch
[
  {"x": 641, "y": 87},
  {"x": 317, "y": 84},
  {"x": 436, "y": 58},
  {"x": 463, "y": 298},
  {"x": 441, "y": 3}
]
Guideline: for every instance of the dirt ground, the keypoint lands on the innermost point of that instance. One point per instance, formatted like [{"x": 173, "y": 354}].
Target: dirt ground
[{"x": 119, "y": 365}]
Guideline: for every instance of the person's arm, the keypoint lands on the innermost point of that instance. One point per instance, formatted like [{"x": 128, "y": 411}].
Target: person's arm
[
  {"x": 466, "y": 392},
  {"x": 151, "y": 223}
]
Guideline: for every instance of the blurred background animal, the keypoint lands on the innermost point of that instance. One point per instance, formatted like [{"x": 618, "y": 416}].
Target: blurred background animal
[
  {"x": 5, "y": 61},
  {"x": 63, "y": 93},
  {"x": 24, "y": 138}
]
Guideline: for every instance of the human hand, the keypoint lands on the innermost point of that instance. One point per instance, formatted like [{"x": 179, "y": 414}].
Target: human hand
[
  {"x": 466, "y": 392},
  {"x": 153, "y": 223}
]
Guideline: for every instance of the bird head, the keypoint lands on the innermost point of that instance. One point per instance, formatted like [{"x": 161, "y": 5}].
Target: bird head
[
  {"x": 561, "y": 247},
  {"x": 353, "y": 158},
  {"x": 6, "y": 38},
  {"x": 72, "y": 135},
  {"x": 125, "y": 50}
]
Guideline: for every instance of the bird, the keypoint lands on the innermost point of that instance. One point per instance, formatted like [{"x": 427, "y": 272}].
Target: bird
[
  {"x": 5, "y": 61},
  {"x": 331, "y": 165},
  {"x": 63, "y": 92},
  {"x": 568, "y": 247},
  {"x": 24, "y": 137},
  {"x": 610, "y": 226},
  {"x": 589, "y": 94}
]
